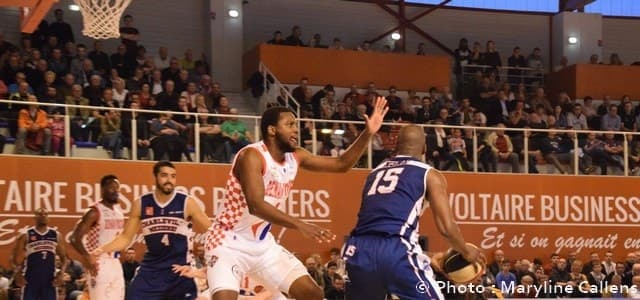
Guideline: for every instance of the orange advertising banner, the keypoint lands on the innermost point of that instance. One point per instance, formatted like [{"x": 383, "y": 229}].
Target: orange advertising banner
[{"x": 526, "y": 216}]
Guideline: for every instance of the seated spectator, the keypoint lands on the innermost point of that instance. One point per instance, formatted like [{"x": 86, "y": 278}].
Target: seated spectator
[
  {"x": 295, "y": 39},
  {"x": 336, "y": 290},
  {"x": 112, "y": 133},
  {"x": 57, "y": 126},
  {"x": 597, "y": 278},
  {"x": 611, "y": 120},
  {"x": 4, "y": 91},
  {"x": 142, "y": 133},
  {"x": 614, "y": 289},
  {"x": 212, "y": 142},
  {"x": 505, "y": 279},
  {"x": 33, "y": 129},
  {"x": 314, "y": 271},
  {"x": 79, "y": 116},
  {"x": 166, "y": 139},
  {"x": 559, "y": 117},
  {"x": 628, "y": 117},
  {"x": 614, "y": 150},
  {"x": 336, "y": 44},
  {"x": 277, "y": 39},
  {"x": 614, "y": 60},
  {"x": 365, "y": 47},
  {"x": 526, "y": 288},
  {"x": 578, "y": 281},
  {"x": 502, "y": 147},
  {"x": 236, "y": 131},
  {"x": 458, "y": 151},
  {"x": 316, "y": 41}
]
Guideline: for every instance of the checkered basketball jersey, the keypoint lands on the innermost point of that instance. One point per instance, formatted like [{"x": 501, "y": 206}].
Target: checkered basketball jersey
[
  {"x": 166, "y": 232},
  {"x": 41, "y": 256},
  {"x": 110, "y": 223},
  {"x": 234, "y": 218}
]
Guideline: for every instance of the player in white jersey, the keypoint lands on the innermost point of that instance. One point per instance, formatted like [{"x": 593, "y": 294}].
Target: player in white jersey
[
  {"x": 100, "y": 224},
  {"x": 239, "y": 242}
]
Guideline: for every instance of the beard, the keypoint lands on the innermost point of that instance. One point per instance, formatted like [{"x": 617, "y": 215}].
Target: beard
[
  {"x": 283, "y": 143},
  {"x": 111, "y": 197},
  {"x": 166, "y": 188}
]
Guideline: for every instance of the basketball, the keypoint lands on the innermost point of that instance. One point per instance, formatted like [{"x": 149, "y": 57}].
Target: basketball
[{"x": 458, "y": 269}]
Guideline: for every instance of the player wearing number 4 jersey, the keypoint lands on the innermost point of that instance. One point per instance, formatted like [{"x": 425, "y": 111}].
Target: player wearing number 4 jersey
[
  {"x": 99, "y": 225},
  {"x": 382, "y": 255},
  {"x": 34, "y": 257},
  {"x": 164, "y": 216},
  {"x": 239, "y": 242}
]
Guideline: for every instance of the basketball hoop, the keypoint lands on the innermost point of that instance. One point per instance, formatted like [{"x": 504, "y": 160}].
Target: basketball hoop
[{"x": 101, "y": 18}]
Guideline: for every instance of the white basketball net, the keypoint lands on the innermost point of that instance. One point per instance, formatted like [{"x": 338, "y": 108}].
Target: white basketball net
[{"x": 101, "y": 18}]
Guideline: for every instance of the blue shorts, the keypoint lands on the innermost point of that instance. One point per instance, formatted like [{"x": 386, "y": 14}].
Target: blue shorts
[
  {"x": 161, "y": 285},
  {"x": 39, "y": 292},
  {"x": 377, "y": 266}
]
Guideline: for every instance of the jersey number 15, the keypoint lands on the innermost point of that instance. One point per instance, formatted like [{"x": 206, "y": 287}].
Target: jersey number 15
[{"x": 385, "y": 182}]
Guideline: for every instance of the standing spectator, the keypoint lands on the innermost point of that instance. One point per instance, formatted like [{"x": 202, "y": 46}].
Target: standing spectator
[
  {"x": 61, "y": 29},
  {"x": 33, "y": 129},
  {"x": 492, "y": 58},
  {"x": 130, "y": 35},
  {"x": 462, "y": 58},
  {"x": 516, "y": 61},
  {"x": 535, "y": 62},
  {"x": 295, "y": 39}
]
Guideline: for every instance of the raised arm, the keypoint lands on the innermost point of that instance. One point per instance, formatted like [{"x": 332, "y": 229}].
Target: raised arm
[
  {"x": 443, "y": 217},
  {"x": 250, "y": 177},
  {"x": 88, "y": 220},
  {"x": 126, "y": 237},
  {"x": 349, "y": 158}
]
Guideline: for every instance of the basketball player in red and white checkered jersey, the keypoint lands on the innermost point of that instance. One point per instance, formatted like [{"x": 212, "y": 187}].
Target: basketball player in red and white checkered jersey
[
  {"x": 99, "y": 225},
  {"x": 239, "y": 241}
]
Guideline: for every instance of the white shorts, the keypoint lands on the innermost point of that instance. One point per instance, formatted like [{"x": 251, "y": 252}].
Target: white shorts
[
  {"x": 276, "y": 268},
  {"x": 109, "y": 283}
]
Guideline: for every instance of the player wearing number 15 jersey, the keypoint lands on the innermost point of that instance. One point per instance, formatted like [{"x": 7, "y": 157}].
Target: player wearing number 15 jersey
[
  {"x": 164, "y": 216},
  {"x": 382, "y": 255}
]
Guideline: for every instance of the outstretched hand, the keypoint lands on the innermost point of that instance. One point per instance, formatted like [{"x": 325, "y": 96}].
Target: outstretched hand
[
  {"x": 316, "y": 232},
  {"x": 380, "y": 109}
]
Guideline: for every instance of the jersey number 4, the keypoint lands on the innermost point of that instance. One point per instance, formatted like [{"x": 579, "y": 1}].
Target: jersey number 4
[
  {"x": 165, "y": 240},
  {"x": 385, "y": 182}
]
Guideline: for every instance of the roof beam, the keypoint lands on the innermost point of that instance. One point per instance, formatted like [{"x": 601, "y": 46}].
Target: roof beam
[{"x": 411, "y": 20}]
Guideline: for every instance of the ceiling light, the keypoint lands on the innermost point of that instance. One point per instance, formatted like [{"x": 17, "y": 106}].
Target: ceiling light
[{"x": 234, "y": 13}]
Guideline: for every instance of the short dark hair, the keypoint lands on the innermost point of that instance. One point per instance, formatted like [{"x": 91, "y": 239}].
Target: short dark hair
[
  {"x": 162, "y": 164},
  {"x": 107, "y": 178},
  {"x": 128, "y": 16},
  {"x": 270, "y": 117}
]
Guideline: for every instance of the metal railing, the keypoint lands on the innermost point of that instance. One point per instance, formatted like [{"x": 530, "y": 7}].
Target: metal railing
[
  {"x": 526, "y": 75},
  {"x": 316, "y": 130},
  {"x": 290, "y": 102}
]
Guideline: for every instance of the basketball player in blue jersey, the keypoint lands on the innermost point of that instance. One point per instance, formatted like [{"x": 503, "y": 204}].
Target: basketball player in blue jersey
[
  {"x": 382, "y": 254},
  {"x": 34, "y": 256},
  {"x": 240, "y": 243},
  {"x": 164, "y": 216}
]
